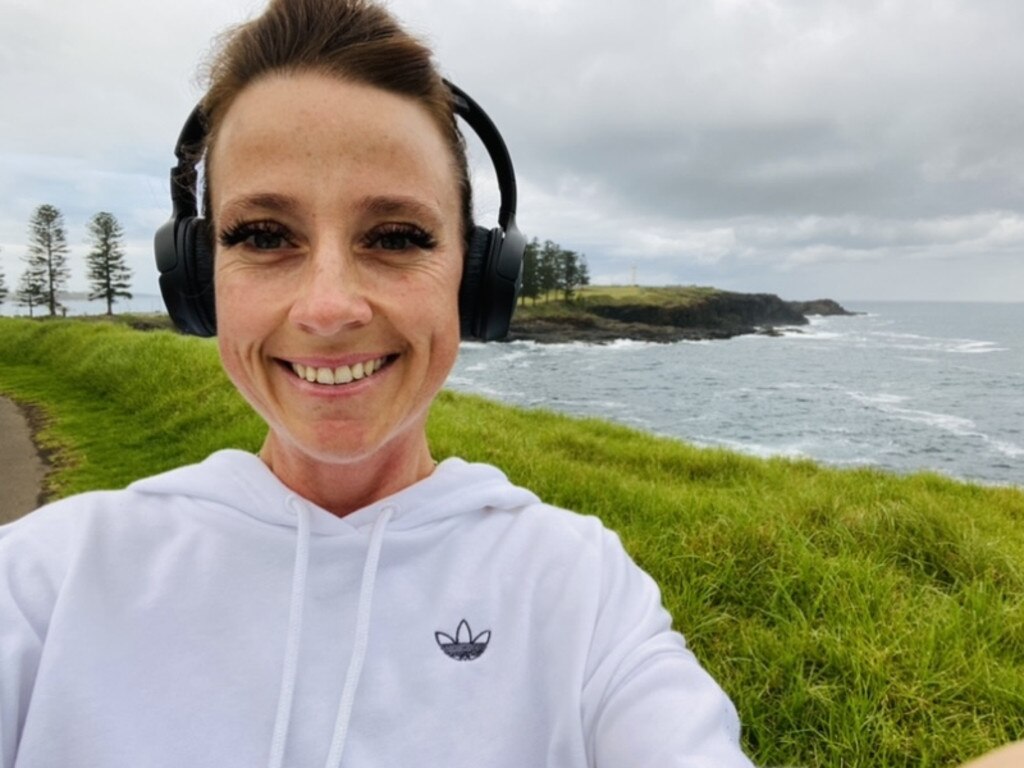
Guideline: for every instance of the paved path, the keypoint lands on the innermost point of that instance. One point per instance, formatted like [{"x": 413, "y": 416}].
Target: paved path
[{"x": 21, "y": 469}]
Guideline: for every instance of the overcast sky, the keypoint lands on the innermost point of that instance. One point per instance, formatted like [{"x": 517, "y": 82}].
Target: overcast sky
[{"x": 810, "y": 148}]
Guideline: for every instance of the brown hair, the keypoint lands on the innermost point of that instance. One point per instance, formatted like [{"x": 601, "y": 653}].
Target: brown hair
[{"x": 355, "y": 40}]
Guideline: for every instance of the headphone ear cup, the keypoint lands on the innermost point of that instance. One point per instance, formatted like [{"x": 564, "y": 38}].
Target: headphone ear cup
[
  {"x": 196, "y": 287},
  {"x": 203, "y": 250},
  {"x": 471, "y": 290}
]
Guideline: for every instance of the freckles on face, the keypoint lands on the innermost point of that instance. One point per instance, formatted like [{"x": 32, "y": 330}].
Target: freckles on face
[{"x": 338, "y": 261}]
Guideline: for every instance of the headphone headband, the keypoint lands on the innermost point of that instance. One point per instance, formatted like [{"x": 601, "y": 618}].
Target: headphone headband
[
  {"x": 484, "y": 127},
  {"x": 492, "y": 274}
]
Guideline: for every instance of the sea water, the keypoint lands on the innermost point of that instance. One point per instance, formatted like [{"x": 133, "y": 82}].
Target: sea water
[
  {"x": 78, "y": 306},
  {"x": 904, "y": 387}
]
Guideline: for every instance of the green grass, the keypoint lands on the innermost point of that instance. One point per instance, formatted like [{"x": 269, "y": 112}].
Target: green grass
[
  {"x": 615, "y": 296},
  {"x": 856, "y": 618},
  {"x": 658, "y": 296}
]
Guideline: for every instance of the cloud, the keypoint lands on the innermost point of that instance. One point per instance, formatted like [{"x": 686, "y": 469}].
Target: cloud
[{"x": 761, "y": 144}]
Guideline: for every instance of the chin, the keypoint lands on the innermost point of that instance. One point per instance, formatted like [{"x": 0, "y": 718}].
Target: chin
[{"x": 326, "y": 444}]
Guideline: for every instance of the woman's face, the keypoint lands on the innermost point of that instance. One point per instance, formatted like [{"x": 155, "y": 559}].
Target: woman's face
[{"x": 338, "y": 261}]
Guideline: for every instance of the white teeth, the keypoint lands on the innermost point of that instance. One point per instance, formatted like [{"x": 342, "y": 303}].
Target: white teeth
[{"x": 341, "y": 375}]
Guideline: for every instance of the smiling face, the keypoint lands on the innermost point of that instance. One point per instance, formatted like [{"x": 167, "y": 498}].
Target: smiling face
[{"x": 338, "y": 261}]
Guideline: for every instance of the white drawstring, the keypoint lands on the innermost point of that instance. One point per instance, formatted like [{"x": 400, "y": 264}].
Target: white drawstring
[
  {"x": 355, "y": 665},
  {"x": 291, "y": 654}
]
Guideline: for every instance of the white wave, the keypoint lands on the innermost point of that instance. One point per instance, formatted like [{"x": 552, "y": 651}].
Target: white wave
[
  {"x": 761, "y": 450},
  {"x": 913, "y": 336},
  {"x": 879, "y": 399},
  {"x": 945, "y": 422},
  {"x": 977, "y": 348},
  {"x": 589, "y": 405},
  {"x": 630, "y": 344},
  {"x": 518, "y": 358},
  {"x": 959, "y": 426},
  {"x": 813, "y": 335},
  {"x": 1010, "y": 450},
  {"x": 474, "y": 388},
  {"x": 915, "y": 342}
]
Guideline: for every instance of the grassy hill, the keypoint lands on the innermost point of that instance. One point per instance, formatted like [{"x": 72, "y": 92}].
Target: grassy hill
[
  {"x": 663, "y": 313},
  {"x": 856, "y": 618}
]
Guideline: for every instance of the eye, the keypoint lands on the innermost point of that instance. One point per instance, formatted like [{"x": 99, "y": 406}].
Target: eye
[
  {"x": 399, "y": 237},
  {"x": 257, "y": 235}
]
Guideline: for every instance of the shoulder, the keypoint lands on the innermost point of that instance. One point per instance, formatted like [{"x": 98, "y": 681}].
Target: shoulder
[
  {"x": 568, "y": 528},
  {"x": 544, "y": 533},
  {"x": 64, "y": 520},
  {"x": 90, "y": 519}
]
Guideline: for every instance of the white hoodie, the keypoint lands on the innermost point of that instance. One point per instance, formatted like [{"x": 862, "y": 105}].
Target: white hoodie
[{"x": 210, "y": 616}]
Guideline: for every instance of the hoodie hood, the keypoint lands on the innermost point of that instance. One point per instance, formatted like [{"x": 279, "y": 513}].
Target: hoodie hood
[{"x": 241, "y": 480}]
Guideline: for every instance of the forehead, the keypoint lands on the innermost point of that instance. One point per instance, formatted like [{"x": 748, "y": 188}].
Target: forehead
[{"x": 303, "y": 132}]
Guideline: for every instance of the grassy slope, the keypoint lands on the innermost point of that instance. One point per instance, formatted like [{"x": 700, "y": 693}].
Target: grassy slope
[
  {"x": 660, "y": 296},
  {"x": 856, "y": 618},
  {"x": 616, "y": 295}
]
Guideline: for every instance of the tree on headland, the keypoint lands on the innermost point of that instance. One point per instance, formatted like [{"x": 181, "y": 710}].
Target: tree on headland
[
  {"x": 571, "y": 273},
  {"x": 30, "y": 292},
  {"x": 531, "y": 280},
  {"x": 547, "y": 267},
  {"x": 48, "y": 253},
  {"x": 109, "y": 275},
  {"x": 551, "y": 268}
]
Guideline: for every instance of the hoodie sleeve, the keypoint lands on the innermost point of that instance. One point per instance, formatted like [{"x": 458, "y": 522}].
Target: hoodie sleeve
[
  {"x": 647, "y": 703},
  {"x": 26, "y": 599}
]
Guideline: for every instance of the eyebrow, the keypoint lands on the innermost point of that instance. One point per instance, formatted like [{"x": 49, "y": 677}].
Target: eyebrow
[
  {"x": 399, "y": 205},
  {"x": 379, "y": 205},
  {"x": 269, "y": 200}
]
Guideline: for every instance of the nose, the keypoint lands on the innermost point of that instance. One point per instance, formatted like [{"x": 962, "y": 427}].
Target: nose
[{"x": 332, "y": 296}]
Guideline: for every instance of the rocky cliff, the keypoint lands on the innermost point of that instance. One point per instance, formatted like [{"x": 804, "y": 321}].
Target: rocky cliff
[{"x": 717, "y": 315}]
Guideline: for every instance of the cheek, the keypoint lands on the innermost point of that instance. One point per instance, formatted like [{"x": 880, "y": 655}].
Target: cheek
[
  {"x": 241, "y": 321},
  {"x": 244, "y": 305}
]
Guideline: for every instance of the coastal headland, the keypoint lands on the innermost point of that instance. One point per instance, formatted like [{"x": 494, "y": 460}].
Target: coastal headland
[{"x": 600, "y": 314}]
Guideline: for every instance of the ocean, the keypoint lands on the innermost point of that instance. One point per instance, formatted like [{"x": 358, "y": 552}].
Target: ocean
[
  {"x": 903, "y": 387},
  {"x": 77, "y": 305}
]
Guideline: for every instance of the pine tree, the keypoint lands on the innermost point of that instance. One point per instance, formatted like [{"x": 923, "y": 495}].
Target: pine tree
[
  {"x": 3, "y": 287},
  {"x": 48, "y": 253},
  {"x": 531, "y": 277},
  {"x": 547, "y": 268},
  {"x": 109, "y": 275},
  {"x": 31, "y": 290}
]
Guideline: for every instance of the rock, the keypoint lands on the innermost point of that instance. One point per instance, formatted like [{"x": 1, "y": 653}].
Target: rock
[
  {"x": 714, "y": 315},
  {"x": 820, "y": 307}
]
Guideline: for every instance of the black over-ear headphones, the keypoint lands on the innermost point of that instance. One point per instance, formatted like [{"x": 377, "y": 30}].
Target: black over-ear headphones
[{"x": 491, "y": 277}]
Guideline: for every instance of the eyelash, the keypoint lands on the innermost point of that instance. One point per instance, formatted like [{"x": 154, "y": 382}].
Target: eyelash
[
  {"x": 239, "y": 233},
  {"x": 417, "y": 237},
  {"x": 242, "y": 232}
]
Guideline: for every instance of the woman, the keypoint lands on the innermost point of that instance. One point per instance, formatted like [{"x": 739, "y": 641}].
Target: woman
[{"x": 338, "y": 599}]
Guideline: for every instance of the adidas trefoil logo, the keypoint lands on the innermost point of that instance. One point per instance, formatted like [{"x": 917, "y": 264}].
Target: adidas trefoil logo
[{"x": 463, "y": 647}]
